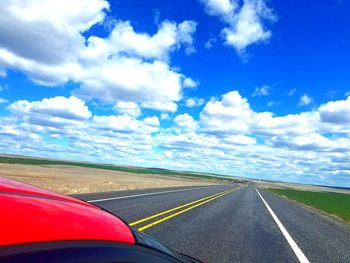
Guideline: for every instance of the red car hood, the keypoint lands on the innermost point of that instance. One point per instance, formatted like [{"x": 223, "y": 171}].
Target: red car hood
[{"x": 30, "y": 214}]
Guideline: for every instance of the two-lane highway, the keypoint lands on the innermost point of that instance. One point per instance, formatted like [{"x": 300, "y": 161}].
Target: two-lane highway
[{"x": 230, "y": 223}]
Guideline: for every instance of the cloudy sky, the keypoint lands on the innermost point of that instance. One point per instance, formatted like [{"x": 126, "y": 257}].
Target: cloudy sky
[{"x": 251, "y": 88}]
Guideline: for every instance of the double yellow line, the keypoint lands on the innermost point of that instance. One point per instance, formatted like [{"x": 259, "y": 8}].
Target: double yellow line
[{"x": 187, "y": 207}]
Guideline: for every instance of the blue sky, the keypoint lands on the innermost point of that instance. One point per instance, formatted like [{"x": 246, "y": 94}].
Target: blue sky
[{"x": 250, "y": 88}]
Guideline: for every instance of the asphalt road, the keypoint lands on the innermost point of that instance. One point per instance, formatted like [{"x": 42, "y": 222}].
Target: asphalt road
[{"x": 233, "y": 226}]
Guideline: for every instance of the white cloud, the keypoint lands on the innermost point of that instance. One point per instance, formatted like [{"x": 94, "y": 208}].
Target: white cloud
[
  {"x": 347, "y": 94},
  {"x": 245, "y": 24},
  {"x": 222, "y": 8},
  {"x": 164, "y": 106},
  {"x": 261, "y": 91},
  {"x": 70, "y": 108},
  {"x": 266, "y": 124},
  {"x": 31, "y": 30},
  {"x": 164, "y": 116},
  {"x": 156, "y": 86},
  {"x": 312, "y": 142},
  {"x": 232, "y": 114},
  {"x": 125, "y": 124},
  {"x": 124, "y": 39},
  {"x": 152, "y": 121},
  {"x": 305, "y": 100},
  {"x": 248, "y": 27},
  {"x": 106, "y": 67},
  {"x": 336, "y": 112},
  {"x": 239, "y": 140},
  {"x": 185, "y": 32},
  {"x": 2, "y": 100},
  {"x": 229, "y": 137},
  {"x": 128, "y": 108},
  {"x": 194, "y": 102},
  {"x": 190, "y": 83},
  {"x": 185, "y": 122}
]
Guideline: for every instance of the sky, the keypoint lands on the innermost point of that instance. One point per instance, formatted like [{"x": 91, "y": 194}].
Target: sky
[{"x": 251, "y": 88}]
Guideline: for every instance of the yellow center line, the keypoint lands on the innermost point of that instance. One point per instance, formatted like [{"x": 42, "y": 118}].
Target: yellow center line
[
  {"x": 174, "y": 209},
  {"x": 184, "y": 210}
]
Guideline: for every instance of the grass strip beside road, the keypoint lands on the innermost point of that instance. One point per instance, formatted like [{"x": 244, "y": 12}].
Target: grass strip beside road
[
  {"x": 187, "y": 207},
  {"x": 336, "y": 204}
]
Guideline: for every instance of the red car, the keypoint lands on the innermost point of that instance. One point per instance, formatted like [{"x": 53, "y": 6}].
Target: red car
[{"x": 37, "y": 225}]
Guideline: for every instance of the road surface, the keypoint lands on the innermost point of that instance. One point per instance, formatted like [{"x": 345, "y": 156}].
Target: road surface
[{"x": 229, "y": 223}]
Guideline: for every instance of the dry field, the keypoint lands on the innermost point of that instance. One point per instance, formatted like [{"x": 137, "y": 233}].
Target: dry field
[{"x": 74, "y": 180}]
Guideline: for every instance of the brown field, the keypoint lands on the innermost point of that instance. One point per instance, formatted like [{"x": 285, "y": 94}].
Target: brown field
[{"x": 74, "y": 180}]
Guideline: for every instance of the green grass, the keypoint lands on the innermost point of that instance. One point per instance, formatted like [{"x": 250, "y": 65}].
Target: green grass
[
  {"x": 332, "y": 203},
  {"x": 139, "y": 170}
]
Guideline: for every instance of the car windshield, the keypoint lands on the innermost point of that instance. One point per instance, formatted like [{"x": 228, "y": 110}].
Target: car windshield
[{"x": 216, "y": 128}]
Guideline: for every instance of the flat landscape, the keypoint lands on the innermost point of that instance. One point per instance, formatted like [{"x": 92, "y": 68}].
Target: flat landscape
[
  {"x": 254, "y": 221},
  {"x": 73, "y": 178}
]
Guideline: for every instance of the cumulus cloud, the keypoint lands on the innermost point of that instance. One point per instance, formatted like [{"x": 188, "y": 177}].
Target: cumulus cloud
[
  {"x": 30, "y": 31},
  {"x": 105, "y": 67},
  {"x": 337, "y": 112},
  {"x": 221, "y": 8},
  {"x": 231, "y": 114},
  {"x": 185, "y": 122},
  {"x": 227, "y": 137},
  {"x": 194, "y": 102},
  {"x": 240, "y": 140},
  {"x": 124, "y": 39},
  {"x": 312, "y": 142},
  {"x": 126, "y": 124},
  {"x": 53, "y": 113},
  {"x": 190, "y": 83},
  {"x": 245, "y": 23},
  {"x": 266, "y": 124},
  {"x": 111, "y": 76},
  {"x": 128, "y": 108},
  {"x": 164, "y": 116},
  {"x": 185, "y": 34},
  {"x": 334, "y": 117},
  {"x": 156, "y": 85},
  {"x": 70, "y": 108}
]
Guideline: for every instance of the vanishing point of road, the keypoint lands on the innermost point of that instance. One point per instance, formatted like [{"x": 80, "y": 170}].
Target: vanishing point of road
[{"x": 230, "y": 223}]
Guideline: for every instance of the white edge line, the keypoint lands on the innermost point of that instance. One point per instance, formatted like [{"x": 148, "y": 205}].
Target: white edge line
[
  {"x": 145, "y": 194},
  {"x": 302, "y": 258}
]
